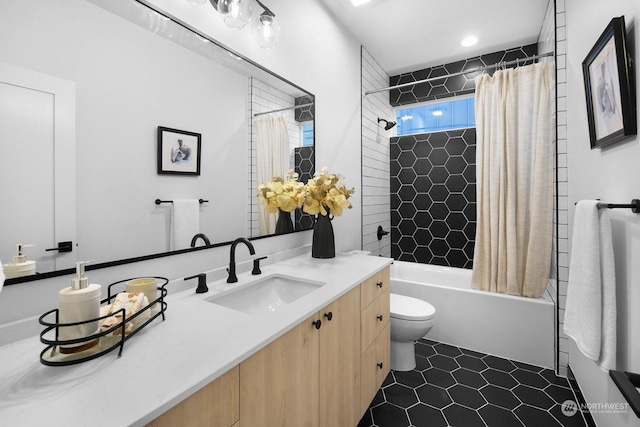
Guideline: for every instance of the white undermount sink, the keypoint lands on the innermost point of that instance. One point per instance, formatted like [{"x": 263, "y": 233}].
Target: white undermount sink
[{"x": 265, "y": 295}]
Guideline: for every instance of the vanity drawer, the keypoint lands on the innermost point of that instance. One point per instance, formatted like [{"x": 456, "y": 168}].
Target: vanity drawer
[
  {"x": 373, "y": 287},
  {"x": 373, "y": 319},
  {"x": 374, "y": 367}
]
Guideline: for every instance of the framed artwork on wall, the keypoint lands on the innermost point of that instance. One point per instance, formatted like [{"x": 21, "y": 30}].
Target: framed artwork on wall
[
  {"x": 609, "y": 88},
  {"x": 178, "y": 151}
]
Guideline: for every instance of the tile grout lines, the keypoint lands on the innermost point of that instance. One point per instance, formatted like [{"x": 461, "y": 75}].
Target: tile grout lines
[{"x": 453, "y": 386}]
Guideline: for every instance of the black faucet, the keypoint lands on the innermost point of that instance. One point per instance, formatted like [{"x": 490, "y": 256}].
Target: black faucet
[
  {"x": 232, "y": 258},
  {"x": 204, "y": 238}
]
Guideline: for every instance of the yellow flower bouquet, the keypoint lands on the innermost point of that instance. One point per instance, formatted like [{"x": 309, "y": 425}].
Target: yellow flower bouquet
[
  {"x": 285, "y": 193},
  {"x": 326, "y": 193}
]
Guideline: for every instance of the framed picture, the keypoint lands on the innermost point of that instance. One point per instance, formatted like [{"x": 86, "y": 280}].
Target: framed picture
[
  {"x": 178, "y": 151},
  {"x": 608, "y": 87}
]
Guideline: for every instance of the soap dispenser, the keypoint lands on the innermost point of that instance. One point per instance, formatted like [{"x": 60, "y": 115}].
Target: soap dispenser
[
  {"x": 20, "y": 266},
  {"x": 77, "y": 303}
]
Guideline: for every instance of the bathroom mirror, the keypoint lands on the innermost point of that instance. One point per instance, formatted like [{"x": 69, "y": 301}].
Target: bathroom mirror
[{"x": 127, "y": 70}]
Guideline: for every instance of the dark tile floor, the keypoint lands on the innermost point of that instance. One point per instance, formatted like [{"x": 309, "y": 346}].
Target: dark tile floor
[{"x": 456, "y": 387}]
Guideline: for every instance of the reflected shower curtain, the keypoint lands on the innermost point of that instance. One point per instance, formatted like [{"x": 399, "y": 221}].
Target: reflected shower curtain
[
  {"x": 272, "y": 146},
  {"x": 514, "y": 180}
]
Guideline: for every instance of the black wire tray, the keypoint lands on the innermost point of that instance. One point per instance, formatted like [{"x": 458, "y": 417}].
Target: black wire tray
[{"x": 109, "y": 339}]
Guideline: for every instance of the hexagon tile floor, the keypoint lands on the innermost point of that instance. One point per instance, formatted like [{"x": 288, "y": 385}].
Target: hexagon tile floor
[{"x": 456, "y": 387}]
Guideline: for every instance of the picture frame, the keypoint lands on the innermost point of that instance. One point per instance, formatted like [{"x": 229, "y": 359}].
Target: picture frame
[
  {"x": 609, "y": 87},
  {"x": 178, "y": 151}
]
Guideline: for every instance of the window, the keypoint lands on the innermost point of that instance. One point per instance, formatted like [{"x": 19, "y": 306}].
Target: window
[
  {"x": 307, "y": 134},
  {"x": 436, "y": 116}
]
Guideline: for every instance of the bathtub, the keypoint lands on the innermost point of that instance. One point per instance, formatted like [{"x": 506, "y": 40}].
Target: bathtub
[{"x": 516, "y": 328}]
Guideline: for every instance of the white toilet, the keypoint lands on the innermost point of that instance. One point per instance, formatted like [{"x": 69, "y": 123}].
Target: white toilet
[{"x": 411, "y": 318}]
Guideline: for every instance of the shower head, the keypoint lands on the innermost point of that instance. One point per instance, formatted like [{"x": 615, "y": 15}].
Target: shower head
[{"x": 388, "y": 125}]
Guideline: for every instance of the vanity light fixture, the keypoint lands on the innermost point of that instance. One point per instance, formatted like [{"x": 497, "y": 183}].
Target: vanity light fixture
[
  {"x": 469, "y": 41},
  {"x": 238, "y": 14}
]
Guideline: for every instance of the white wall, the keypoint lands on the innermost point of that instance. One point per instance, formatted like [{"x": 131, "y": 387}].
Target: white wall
[
  {"x": 376, "y": 203},
  {"x": 612, "y": 175},
  {"x": 322, "y": 58}
]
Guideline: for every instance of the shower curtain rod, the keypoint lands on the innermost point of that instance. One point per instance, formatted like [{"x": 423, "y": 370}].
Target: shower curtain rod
[
  {"x": 472, "y": 70},
  {"x": 283, "y": 109}
]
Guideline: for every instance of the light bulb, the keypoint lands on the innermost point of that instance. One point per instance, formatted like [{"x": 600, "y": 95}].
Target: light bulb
[
  {"x": 267, "y": 31},
  {"x": 239, "y": 13}
]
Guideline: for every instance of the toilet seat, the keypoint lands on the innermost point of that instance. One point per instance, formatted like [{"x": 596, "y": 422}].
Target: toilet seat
[{"x": 409, "y": 308}]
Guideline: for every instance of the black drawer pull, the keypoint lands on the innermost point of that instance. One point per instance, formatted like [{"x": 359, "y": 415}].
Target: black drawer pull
[
  {"x": 380, "y": 365},
  {"x": 317, "y": 324},
  {"x": 329, "y": 316},
  {"x": 380, "y": 317},
  {"x": 379, "y": 284}
]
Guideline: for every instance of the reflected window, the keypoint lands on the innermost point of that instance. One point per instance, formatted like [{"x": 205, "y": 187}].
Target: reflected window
[
  {"x": 307, "y": 134},
  {"x": 437, "y": 116}
]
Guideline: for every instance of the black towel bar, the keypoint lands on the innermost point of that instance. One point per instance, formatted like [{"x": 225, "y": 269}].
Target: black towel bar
[
  {"x": 158, "y": 201},
  {"x": 634, "y": 205}
]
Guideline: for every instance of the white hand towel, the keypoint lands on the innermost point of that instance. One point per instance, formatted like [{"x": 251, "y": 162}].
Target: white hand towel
[
  {"x": 590, "y": 313},
  {"x": 185, "y": 223}
]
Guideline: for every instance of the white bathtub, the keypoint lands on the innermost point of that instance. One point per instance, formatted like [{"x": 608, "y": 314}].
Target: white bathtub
[{"x": 512, "y": 327}]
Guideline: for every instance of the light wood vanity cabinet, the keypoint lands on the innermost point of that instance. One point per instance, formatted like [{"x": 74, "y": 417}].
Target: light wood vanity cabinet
[
  {"x": 216, "y": 404},
  {"x": 311, "y": 376},
  {"x": 375, "y": 336}
]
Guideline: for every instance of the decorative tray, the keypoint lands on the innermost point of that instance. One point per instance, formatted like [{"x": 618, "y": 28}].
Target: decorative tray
[{"x": 108, "y": 339}]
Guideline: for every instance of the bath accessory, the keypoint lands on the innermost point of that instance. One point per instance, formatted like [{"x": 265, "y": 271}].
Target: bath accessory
[
  {"x": 590, "y": 314},
  {"x": 110, "y": 338},
  {"x": 147, "y": 285},
  {"x": 158, "y": 201},
  {"x": 232, "y": 258},
  {"x": 62, "y": 247},
  {"x": 202, "y": 283},
  {"x": 309, "y": 104},
  {"x": 78, "y": 303},
  {"x": 629, "y": 384},
  {"x": 634, "y": 205},
  {"x": 185, "y": 223},
  {"x": 20, "y": 266},
  {"x": 471, "y": 70},
  {"x": 202, "y": 236},
  {"x": 388, "y": 124}
]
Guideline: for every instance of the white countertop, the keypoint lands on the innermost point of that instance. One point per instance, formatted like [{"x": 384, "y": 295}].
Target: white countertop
[{"x": 168, "y": 360}]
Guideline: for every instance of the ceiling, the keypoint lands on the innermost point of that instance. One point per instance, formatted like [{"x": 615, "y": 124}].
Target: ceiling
[{"x": 409, "y": 35}]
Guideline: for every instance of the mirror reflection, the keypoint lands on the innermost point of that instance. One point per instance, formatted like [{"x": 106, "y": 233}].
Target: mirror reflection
[{"x": 84, "y": 87}]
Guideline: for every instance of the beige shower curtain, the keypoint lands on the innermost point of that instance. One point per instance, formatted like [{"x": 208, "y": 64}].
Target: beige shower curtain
[
  {"x": 514, "y": 180},
  {"x": 272, "y": 147}
]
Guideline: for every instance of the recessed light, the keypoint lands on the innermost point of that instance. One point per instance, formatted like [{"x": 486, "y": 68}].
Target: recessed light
[
  {"x": 357, "y": 3},
  {"x": 469, "y": 41}
]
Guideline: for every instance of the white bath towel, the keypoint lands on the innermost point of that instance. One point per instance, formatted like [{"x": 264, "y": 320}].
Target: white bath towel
[
  {"x": 590, "y": 314},
  {"x": 185, "y": 222}
]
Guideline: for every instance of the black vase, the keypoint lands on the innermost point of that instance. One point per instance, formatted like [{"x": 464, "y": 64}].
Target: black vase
[
  {"x": 323, "y": 244},
  {"x": 284, "y": 224}
]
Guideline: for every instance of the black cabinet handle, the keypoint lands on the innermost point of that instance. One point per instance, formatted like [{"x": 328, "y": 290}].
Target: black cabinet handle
[
  {"x": 317, "y": 324},
  {"x": 329, "y": 316},
  {"x": 380, "y": 317},
  {"x": 379, "y": 284},
  {"x": 380, "y": 365}
]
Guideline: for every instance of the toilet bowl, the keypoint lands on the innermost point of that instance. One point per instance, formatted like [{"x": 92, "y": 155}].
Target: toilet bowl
[{"x": 411, "y": 319}]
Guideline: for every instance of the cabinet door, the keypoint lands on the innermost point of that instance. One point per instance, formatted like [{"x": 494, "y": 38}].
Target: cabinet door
[
  {"x": 340, "y": 362},
  {"x": 374, "y": 368},
  {"x": 214, "y": 405},
  {"x": 374, "y": 286},
  {"x": 279, "y": 384}
]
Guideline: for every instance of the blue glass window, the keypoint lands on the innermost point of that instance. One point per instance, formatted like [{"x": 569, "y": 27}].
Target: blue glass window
[
  {"x": 438, "y": 116},
  {"x": 307, "y": 134}
]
